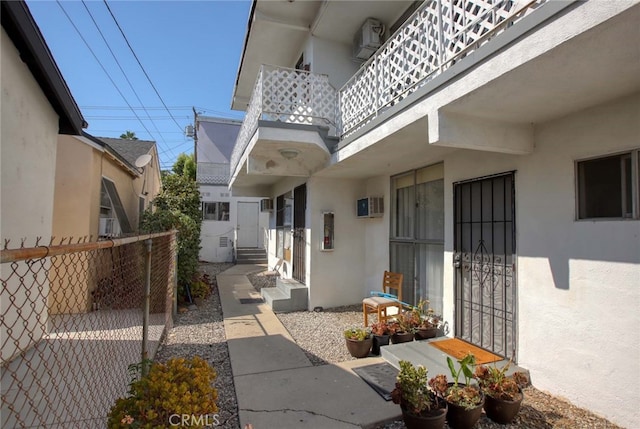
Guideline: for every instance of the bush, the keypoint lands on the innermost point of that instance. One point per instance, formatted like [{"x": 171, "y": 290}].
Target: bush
[
  {"x": 179, "y": 387},
  {"x": 178, "y": 207}
]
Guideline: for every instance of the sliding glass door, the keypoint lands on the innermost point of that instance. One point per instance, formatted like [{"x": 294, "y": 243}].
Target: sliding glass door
[{"x": 417, "y": 233}]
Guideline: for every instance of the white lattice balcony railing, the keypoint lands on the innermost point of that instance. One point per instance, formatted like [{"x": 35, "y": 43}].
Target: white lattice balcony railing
[
  {"x": 289, "y": 96},
  {"x": 437, "y": 35},
  {"x": 212, "y": 173}
]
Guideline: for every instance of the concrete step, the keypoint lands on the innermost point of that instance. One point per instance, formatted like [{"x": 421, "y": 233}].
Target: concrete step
[
  {"x": 421, "y": 353},
  {"x": 249, "y": 255},
  {"x": 296, "y": 291},
  {"x": 276, "y": 299}
]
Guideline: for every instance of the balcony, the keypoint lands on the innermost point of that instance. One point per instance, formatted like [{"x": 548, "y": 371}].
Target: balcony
[
  {"x": 439, "y": 34},
  {"x": 297, "y": 100},
  {"x": 212, "y": 173}
]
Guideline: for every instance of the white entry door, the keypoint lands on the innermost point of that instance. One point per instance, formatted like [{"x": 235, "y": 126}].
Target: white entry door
[{"x": 248, "y": 224}]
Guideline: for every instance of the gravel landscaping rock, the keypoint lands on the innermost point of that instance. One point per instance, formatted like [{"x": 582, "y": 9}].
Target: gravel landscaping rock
[
  {"x": 200, "y": 332},
  {"x": 319, "y": 334}
]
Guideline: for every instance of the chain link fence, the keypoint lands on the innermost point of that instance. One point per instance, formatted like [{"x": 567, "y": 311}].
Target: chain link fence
[{"x": 74, "y": 316}]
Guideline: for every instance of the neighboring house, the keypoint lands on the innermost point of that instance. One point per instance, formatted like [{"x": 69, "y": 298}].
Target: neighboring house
[
  {"x": 37, "y": 107},
  {"x": 228, "y": 223},
  {"x": 488, "y": 150},
  {"x": 100, "y": 192}
]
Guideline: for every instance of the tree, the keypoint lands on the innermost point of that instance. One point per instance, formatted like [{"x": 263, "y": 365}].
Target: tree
[
  {"x": 129, "y": 135},
  {"x": 185, "y": 165}
]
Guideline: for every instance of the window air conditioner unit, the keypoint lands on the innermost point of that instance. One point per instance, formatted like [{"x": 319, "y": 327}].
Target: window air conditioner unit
[
  {"x": 370, "y": 207},
  {"x": 266, "y": 205},
  {"x": 109, "y": 227},
  {"x": 367, "y": 39}
]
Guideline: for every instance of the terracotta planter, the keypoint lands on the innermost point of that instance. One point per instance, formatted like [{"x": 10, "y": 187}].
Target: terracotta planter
[
  {"x": 379, "y": 340},
  {"x": 402, "y": 337},
  {"x": 502, "y": 411},
  {"x": 426, "y": 333},
  {"x": 431, "y": 420},
  {"x": 359, "y": 349},
  {"x": 461, "y": 418}
]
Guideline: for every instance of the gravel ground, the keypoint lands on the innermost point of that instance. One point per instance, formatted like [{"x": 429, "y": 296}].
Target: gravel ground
[{"x": 201, "y": 332}]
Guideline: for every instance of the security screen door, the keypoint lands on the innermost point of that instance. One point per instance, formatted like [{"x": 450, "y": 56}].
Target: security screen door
[
  {"x": 484, "y": 261},
  {"x": 299, "y": 233}
]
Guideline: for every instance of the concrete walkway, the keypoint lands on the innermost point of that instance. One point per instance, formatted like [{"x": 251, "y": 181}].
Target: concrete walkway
[{"x": 276, "y": 385}]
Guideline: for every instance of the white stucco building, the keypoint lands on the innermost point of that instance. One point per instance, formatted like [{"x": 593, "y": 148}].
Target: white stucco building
[
  {"x": 228, "y": 222},
  {"x": 503, "y": 139}
]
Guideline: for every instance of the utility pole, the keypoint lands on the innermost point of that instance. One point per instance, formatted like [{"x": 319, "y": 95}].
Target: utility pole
[{"x": 195, "y": 136}]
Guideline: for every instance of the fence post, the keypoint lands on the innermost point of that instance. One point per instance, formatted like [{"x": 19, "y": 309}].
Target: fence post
[
  {"x": 175, "y": 273},
  {"x": 145, "y": 314}
]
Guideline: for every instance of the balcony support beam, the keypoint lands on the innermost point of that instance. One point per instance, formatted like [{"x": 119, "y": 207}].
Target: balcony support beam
[{"x": 471, "y": 132}]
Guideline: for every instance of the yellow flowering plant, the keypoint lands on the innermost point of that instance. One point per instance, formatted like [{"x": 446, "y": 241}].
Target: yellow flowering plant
[{"x": 179, "y": 387}]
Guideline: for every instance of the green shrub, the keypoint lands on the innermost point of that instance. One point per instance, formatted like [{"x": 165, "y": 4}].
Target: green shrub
[
  {"x": 179, "y": 387},
  {"x": 178, "y": 207}
]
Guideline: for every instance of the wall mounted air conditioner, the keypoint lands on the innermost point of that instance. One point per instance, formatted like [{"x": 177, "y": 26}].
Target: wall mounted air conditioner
[
  {"x": 370, "y": 207},
  {"x": 109, "y": 227},
  {"x": 367, "y": 39},
  {"x": 266, "y": 205}
]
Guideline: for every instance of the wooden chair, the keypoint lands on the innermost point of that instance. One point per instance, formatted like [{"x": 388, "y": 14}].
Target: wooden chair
[{"x": 391, "y": 284}]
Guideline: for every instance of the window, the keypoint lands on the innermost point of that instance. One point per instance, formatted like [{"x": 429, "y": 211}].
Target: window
[
  {"x": 111, "y": 204},
  {"x": 215, "y": 211},
  {"x": 608, "y": 187},
  {"x": 417, "y": 234}
]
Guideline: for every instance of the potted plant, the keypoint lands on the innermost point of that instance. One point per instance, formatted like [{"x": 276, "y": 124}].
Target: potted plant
[
  {"x": 403, "y": 327},
  {"x": 503, "y": 394},
  {"x": 421, "y": 407},
  {"x": 464, "y": 401},
  {"x": 426, "y": 320},
  {"x": 359, "y": 342},
  {"x": 381, "y": 333}
]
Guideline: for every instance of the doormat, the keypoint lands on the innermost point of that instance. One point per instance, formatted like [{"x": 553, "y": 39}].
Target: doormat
[
  {"x": 380, "y": 376},
  {"x": 459, "y": 349},
  {"x": 251, "y": 300}
]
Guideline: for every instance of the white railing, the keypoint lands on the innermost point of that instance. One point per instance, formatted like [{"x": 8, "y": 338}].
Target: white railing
[
  {"x": 289, "y": 96},
  {"x": 213, "y": 173},
  {"x": 437, "y": 35}
]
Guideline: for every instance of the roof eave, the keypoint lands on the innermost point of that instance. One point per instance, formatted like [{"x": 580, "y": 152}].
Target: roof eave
[{"x": 26, "y": 36}]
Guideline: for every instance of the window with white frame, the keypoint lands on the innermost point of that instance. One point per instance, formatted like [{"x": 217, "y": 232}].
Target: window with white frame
[
  {"x": 609, "y": 187},
  {"x": 218, "y": 211}
]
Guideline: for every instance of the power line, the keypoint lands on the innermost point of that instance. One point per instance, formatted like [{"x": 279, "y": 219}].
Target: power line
[
  {"x": 102, "y": 66},
  {"x": 140, "y": 64},
  {"x": 124, "y": 74}
]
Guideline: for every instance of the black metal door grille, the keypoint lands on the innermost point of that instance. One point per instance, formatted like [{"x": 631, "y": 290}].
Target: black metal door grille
[
  {"x": 484, "y": 260},
  {"x": 299, "y": 242}
]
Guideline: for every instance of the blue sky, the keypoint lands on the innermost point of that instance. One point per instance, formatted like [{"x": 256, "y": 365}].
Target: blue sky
[{"x": 189, "y": 49}]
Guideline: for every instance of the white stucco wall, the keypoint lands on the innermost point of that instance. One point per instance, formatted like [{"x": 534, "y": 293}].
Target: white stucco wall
[
  {"x": 337, "y": 276},
  {"x": 578, "y": 281},
  {"x": 28, "y": 151},
  {"x": 376, "y": 236},
  {"x": 333, "y": 59},
  {"x": 28, "y": 139},
  {"x": 211, "y": 231}
]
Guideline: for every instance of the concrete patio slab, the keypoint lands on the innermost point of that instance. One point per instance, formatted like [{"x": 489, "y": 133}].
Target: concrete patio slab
[
  {"x": 264, "y": 354},
  {"x": 276, "y": 384},
  {"x": 326, "y": 396}
]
